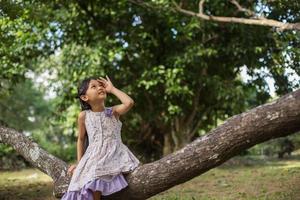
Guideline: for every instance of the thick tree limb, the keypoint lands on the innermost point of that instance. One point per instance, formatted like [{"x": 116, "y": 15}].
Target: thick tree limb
[
  {"x": 37, "y": 156},
  {"x": 261, "y": 21},
  {"x": 276, "y": 119}
]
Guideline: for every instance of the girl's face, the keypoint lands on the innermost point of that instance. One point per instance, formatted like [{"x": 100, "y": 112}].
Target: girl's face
[{"x": 95, "y": 91}]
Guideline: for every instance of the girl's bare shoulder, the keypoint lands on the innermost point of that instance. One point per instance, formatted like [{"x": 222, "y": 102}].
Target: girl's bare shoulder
[{"x": 81, "y": 115}]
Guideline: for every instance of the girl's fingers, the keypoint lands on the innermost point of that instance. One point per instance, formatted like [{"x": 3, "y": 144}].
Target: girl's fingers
[
  {"x": 101, "y": 81},
  {"x": 102, "y": 78},
  {"x": 71, "y": 169},
  {"x": 108, "y": 80}
]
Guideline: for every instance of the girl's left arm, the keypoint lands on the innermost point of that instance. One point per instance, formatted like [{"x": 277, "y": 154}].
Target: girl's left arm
[{"x": 127, "y": 102}]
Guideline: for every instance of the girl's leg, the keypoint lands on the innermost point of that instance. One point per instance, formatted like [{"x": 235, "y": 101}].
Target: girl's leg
[{"x": 97, "y": 195}]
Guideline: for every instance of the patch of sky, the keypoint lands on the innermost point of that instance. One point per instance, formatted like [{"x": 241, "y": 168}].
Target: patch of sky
[
  {"x": 174, "y": 32},
  {"x": 43, "y": 80},
  {"x": 120, "y": 39},
  {"x": 264, "y": 72},
  {"x": 262, "y": 10},
  {"x": 136, "y": 20},
  {"x": 54, "y": 34},
  {"x": 118, "y": 56}
]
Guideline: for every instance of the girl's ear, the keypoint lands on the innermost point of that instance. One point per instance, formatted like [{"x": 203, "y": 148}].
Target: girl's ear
[{"x": 83, "y": 97}]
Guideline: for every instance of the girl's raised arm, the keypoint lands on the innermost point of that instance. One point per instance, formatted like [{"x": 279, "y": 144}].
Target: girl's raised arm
[{"x": 127, "y": 101}]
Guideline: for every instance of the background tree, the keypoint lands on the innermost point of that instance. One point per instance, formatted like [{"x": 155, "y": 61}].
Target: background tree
[
  {"x": 186, "y": 71},
  {"x": 24, "y": 109},
  {"x": 183, "y": 71}
]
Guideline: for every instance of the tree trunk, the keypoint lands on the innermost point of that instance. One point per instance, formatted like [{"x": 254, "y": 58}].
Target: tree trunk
[
  {"x": 168, "y": 146},
  {"x": 240, "y": 132}
]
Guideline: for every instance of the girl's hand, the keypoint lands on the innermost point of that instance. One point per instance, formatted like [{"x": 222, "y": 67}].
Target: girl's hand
[
  {"x": 71, "y": 169},
  {"x": 107, "y": 84}
]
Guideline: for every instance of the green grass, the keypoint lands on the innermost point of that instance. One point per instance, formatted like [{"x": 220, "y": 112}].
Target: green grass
[
  {"x": 25, "y": 184},
  {"x": 251, "y": 179},
  {"x": 265, "y": 180}
]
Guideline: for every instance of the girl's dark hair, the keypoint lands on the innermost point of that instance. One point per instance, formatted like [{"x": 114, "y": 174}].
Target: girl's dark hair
[{"x": 82, "y": 88}]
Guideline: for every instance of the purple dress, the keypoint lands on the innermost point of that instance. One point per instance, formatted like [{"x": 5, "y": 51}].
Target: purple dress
[{"x": 104, "y": 161}]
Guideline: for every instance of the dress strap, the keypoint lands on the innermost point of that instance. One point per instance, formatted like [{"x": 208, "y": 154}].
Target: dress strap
[{"x": 108, "y": 111}]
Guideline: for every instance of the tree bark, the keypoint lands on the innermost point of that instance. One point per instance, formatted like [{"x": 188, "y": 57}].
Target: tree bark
[{"x": 276, "y": 119}]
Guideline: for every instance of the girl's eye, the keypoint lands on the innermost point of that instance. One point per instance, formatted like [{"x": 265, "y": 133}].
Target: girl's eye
[{"x": 93, "y": 86}]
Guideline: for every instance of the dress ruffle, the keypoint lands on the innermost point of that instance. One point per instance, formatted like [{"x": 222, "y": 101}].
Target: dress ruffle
[{"x": 106, "y": 188}]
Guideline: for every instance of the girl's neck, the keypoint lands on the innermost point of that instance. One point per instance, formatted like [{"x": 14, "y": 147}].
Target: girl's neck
[{"x": 97, "y": 108}]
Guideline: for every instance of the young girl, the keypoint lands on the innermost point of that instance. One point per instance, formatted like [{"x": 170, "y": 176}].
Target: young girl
[{"x": 101, "y": 163}]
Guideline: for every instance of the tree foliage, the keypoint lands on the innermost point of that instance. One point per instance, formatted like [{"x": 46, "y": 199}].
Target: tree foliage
[{"x": 184, "y": 72}]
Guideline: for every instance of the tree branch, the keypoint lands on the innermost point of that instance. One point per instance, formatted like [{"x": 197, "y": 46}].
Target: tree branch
[
  {"x": 272, "y": 120},
  {"x": 260, "y": 21},
  {"x": 37, "y": 157},
  {"x": 242, "y": 9},
  {"x": 201, "y": 6}
]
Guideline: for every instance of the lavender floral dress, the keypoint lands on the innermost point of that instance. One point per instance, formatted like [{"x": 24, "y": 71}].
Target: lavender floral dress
[{"x": 104, "y": 160}]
